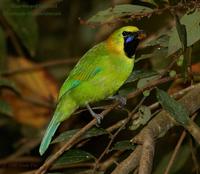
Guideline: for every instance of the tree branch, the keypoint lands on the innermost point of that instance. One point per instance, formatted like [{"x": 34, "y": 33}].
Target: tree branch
[{"x": 159, "y": 126}]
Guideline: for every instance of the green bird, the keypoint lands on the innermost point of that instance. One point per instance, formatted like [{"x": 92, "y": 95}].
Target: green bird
[{"x": 97, "y": 75}]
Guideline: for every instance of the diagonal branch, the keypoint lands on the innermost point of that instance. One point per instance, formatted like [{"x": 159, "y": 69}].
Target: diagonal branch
[
  {"x": 70, "y": 143},
  {"x": 159, "y": 126}
]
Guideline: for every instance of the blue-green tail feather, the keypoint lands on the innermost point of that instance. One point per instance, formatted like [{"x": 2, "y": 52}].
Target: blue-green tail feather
[
  {"x": 64, "y": 109},
  {"x": 51, "y": 129}
]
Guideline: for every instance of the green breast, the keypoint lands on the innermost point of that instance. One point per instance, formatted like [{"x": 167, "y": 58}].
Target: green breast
[{"x": 114, "y": 72}]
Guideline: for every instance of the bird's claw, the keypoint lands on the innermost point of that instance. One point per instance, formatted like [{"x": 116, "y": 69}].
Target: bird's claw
[
  {"x": 121, "y": 99},
  {"x": 99, "y": 118}
]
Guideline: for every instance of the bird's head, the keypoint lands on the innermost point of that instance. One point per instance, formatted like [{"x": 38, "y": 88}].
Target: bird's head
[{"x": 125, "y": 40}]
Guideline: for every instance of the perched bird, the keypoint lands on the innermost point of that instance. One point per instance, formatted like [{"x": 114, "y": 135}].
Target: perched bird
[{"x": 98, "y": 75}]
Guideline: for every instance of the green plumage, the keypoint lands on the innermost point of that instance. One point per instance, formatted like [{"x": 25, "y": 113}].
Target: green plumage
[{"x": 98, "y": 75}]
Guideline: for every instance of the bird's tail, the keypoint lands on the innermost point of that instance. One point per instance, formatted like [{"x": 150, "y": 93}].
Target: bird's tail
[
  {"x": 63, "y": 111},
  {"x": 51, "y": 129}
]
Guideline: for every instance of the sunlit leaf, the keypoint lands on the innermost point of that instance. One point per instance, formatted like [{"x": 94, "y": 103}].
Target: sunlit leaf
[
  {"x": 39, "y": 91},
  {"x": 22, "y": 21},
  {"x": 5, "y": 108},
  {"x": 65, "y": 136},
  {"x": 191, "y": 22},
  {"x": 73, "y": 156},
  {"x": 176, "y": 109},
  {"x": 123, "y": 145},
  {"x": 2, "y": 51},
  {"x": 117, "y": 12}
]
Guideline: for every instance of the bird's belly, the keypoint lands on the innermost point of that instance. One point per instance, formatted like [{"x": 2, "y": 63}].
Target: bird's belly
[{"x": 100, "y": 87}]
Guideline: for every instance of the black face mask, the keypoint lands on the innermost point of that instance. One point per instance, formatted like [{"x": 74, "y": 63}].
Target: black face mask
[{"x": 131, "y": 42}]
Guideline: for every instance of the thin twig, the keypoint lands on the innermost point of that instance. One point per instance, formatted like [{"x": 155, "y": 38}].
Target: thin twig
[
  {"x": 70, "y": 143},
  {"x": 12, "y": 36},
  {"x": 178, "y": 145},
  {"x": 104, "y": 165},
  {"x": 172, "y": 159},
  {"x": 160, "y": 125},
  {"x": 194, "y": 158},
  {"x": 117, "y": 132}
]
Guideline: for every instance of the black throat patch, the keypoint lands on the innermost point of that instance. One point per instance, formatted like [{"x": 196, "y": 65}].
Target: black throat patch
[{"x": 131, "y": 42}]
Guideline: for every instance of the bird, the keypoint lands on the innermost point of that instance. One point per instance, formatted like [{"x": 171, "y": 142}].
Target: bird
[{"x": 100, "y": 72}]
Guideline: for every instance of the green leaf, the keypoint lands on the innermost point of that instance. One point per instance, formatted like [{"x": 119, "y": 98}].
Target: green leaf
[
  {"x": 126, "y": 90},
  {"x": 176, "y": 109},
  {"x": 22, "y": 22},
  {"x": 139, "y": 74},
  {"x": 144, "y": 81},
  {"x": 65, "y": 136},
  {"x": 191, "y": 22},
  {"x": 2, "y": 50},
  {"x": 150, "y": 2},
  {"x": 124, "y": 145},
  {"x": 143, "y": 57},
  {"x": 144, "y": 115},
  {"x": 117, "y": 12},
  {"x": 4, "y": 83},
  {"x": 172, "y": 73},
  {"x": 160, "y": 59},
  {"x": 161, "y": 40},
  {"x": 73, "y": 156},
  {"x": 181, "y": 29},
  {"x": 180, "y": 61},
  {"x": 5, "y": 108},
  {"x": 146, "y": 93}
]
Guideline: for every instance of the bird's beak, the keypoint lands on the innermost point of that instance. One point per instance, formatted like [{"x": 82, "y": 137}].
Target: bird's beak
[{"x": 141, "y": 35}]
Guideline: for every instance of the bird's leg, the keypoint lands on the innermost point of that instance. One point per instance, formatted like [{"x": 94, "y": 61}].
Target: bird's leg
[
  {"x": 121, "y": 99},
  {"x": 98, "y": 117}
]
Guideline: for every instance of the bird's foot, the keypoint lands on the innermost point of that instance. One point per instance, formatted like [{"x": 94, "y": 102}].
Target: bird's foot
[
  {"x": 121, "y": 99},
  {"x": 98, "y": 117}
]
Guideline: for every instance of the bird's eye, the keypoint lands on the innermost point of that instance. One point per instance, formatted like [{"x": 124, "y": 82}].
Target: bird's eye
[{"x": 125, "y": 33}]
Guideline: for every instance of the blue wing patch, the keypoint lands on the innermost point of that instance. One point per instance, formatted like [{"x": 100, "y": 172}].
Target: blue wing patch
[
  {"x": 66, "y": 87},
  {"x": 96, "y": 71}
]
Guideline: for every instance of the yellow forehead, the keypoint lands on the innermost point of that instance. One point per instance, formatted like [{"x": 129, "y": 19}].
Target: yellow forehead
[
  {"x": 129, "y": 29},
  {"x": 117, "y": 34}
]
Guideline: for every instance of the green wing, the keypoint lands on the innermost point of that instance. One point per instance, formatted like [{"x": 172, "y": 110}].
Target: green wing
[{"x": 86, "y": 69}]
